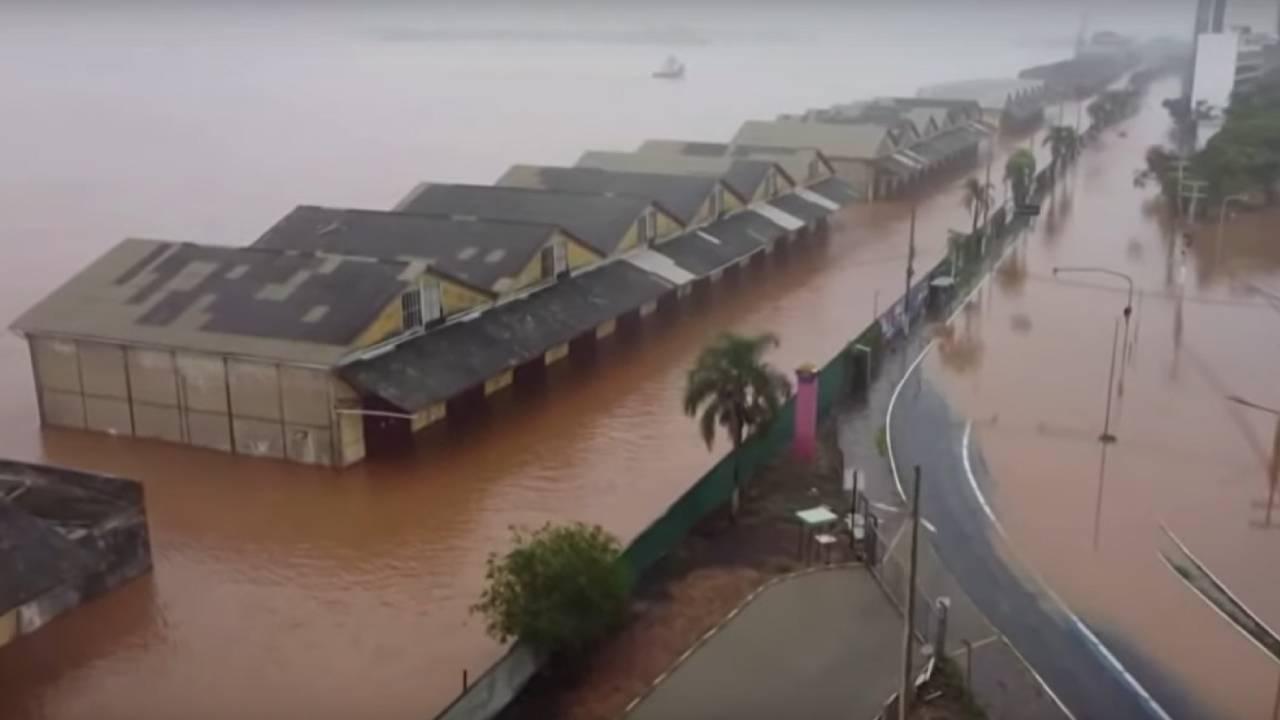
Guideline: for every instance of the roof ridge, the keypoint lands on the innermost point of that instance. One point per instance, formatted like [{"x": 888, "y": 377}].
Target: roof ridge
[
  {"x": 532, "y": 191},
  {"x": 432, "y": 216}
]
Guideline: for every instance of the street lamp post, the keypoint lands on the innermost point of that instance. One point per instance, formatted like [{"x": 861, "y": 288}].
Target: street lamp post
[
  {"x": 1128, "y": 305},
  {"x": 1274, "y": 470},
  {"x": 1222, "y": 219}
]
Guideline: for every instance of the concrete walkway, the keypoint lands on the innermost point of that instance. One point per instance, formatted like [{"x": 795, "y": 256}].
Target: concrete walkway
[{"x": 822, "y": 645}]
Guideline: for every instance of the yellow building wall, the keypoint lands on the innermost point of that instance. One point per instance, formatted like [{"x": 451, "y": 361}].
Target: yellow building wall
[
  {"x": 384, "y": 326},
  {"x": 579, "y": 255},
  {"x": 668, "y": 226},
  {"x": 530, "y": 275},
  {"x": 631, "y": 239},
  {"x": 8, "y": 626},
  {"x": 455, "y": 298},
  {"x": 731, "y": 201}
]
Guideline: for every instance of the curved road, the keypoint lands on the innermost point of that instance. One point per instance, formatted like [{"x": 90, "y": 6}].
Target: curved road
[{"x": 1081, "y": 672}]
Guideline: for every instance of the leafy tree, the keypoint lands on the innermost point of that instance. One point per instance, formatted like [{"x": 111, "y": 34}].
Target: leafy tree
[
  {"x": 1063, "y": 144},
  {"x": 559, "y": 589},
  {"x": 976, "y": 199},
  {"x": 731, "y": 386},
  {"x": 1020, "y": 172}
]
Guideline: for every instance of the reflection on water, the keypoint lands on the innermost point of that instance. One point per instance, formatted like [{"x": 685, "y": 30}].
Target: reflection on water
[
  {"x": 283, "y": 591},
  {"x": 1087, "y": 514}
]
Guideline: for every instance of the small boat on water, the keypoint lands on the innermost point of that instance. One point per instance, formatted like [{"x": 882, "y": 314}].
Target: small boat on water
[{"x": 672, "y": 69}]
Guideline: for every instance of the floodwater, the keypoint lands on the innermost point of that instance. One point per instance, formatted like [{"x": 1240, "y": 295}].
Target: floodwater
[
  {"x": 282, "y": 591},
  {"x": 1029, "y": 366}
]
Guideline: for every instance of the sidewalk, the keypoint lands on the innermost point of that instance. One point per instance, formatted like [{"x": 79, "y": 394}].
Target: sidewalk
[
  {"x": 819, "y": 645},
  {"x": 1001, "y": 682}
]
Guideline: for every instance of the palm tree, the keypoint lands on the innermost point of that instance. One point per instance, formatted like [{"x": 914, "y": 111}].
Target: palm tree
[
  {"x": 1019, "y": 172},
  {"x": 731, "y": 386},
  {"x": 1063, "y": 142},
  {"x": 976, "y": 199}
]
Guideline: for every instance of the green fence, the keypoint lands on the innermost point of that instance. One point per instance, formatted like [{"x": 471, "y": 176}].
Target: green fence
[{"x": 839, "y": 377}]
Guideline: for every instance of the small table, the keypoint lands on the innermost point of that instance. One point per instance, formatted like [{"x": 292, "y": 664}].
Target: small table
[{"x": 814, "y": 518}]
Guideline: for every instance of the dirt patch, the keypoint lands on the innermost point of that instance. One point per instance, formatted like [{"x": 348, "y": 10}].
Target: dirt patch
[{"x": 691, "y": 591}]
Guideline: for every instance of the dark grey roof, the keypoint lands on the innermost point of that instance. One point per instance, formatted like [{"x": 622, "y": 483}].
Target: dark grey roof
[
  {"x": 680, "y": 195},
  {"x": 39, "y": 507},
  {"x": 34, "y": 558},
  {"x": 228, "y": 300},
  {"x": 746, "y": 176},
  {"x": 706, "y": 149},
  {"x": 835, "y": 190},
  {"x": 893, "y": 164},
  {"x": 947, "y": 144},
  {"x": 737, "y": 236},
  {"x": 600, "y": 221},
  {"x": 447, "y": 361},
  {"x": 479, "y": 253},
  {"x": 798, "y": 207}
]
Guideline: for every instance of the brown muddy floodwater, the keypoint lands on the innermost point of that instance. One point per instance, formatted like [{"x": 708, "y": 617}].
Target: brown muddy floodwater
[
  {"x": 282, "y": 591},
  {"x": 1033, "y": 380}
]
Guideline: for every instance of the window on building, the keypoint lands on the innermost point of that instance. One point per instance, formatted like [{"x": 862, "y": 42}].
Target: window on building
[
  {"x": 421, "y": 305},
  {"x": 648, "y": 226},
  {"x": 432, "y": 301},
  {"x": 547, "y": 258},
  {"x": 815, "y": 169},
  {"x": 411, "y": 309},
  {"x": 770, "y": 185},
  {"x": 554, "y": 260}
]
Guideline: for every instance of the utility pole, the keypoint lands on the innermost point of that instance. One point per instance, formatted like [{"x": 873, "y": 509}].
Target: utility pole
[
  {"x": 1106, "y": 437},
  {"x": 1197, "y": 186},
  {"x": 908, "y": 637},
  {"x": 986, "y": 203},
  {"x": 911, "y": 258}
]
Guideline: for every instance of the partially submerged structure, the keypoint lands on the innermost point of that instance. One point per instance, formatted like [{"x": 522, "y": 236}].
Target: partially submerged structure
[
  {"x": 231, "y": 349},
  {"x": 752, "y": 180},
  {"x": 851, "y": 148},
  {"x": 931, "y": 138},
  {"x": 66, "y": 537},
  {"x": 1010, "y": 104}
]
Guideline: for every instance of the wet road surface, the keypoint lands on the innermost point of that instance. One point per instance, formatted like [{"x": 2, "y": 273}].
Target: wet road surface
[{"x": 1027, "y": 363}]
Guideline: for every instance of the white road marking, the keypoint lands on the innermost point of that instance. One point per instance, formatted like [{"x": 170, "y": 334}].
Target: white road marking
[
  {"x": 1089, "y": 637},
  {"x": 973, "y": 483}
]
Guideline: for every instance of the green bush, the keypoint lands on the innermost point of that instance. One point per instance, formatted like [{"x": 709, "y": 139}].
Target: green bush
[{"x": 559, "y": 589}]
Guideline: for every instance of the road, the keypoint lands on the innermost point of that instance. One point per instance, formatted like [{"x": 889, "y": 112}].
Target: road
[{"x": 1052, "y": 520}]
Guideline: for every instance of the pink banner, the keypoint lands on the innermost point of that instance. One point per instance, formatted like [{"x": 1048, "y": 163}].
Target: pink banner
[{"x": 806, "y": 421}]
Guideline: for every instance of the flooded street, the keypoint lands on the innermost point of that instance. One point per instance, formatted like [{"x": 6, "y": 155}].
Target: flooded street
[
  {"x": 1029, "y": 366},
  {"x": 281, "y": 591}
]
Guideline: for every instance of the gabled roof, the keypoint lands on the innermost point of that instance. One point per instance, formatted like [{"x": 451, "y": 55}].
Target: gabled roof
[
  {"x": 743, "y": 176},
  {"x": 960, "y": 107},
  {"x": 478, "y": 253},
  {"x": 680, "y": 195},
  {"x": 794, "y": 160},
  {"x": 990, "y": 93},
  {"x": 444, "y": 362},
  {"x": 705, "y": 250},
  {"x": 600, "y": 221},
  {"x": 837, "y": 141},
  {"x": 259, "y": 302}
]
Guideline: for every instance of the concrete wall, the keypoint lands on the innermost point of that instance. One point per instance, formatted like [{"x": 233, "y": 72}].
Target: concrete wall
[{"x": 229, "y": 404}]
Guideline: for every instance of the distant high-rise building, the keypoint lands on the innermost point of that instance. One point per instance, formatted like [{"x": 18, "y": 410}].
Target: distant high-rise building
[{"x": 1211, "y": 16}]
